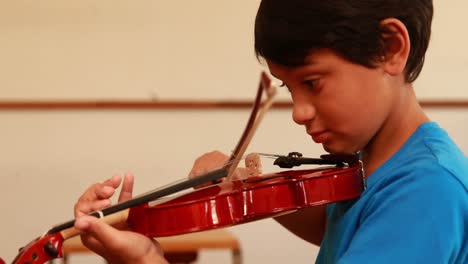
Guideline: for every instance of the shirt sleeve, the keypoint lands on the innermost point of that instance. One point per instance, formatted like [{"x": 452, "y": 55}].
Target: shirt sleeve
[{"x": 423, "y": 220}]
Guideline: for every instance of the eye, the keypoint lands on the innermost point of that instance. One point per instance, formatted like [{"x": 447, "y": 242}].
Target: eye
[
  {"x": 283, "y": 84},
  {"x": 312, "y": 83}
]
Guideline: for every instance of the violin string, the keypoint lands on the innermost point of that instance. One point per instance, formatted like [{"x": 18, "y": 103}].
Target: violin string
[
  {"x": 184, "y": 179},
  {"x": 224, "y": 165},
  {"x": 175, "y": 195},
  {"x": 267, "y": 155}
]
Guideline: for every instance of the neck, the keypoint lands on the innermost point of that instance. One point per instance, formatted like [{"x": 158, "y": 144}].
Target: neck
[{"x": 399, "y": 125}]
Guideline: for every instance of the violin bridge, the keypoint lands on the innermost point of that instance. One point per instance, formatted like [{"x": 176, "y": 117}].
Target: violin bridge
[{"x": 253, "y": 164}]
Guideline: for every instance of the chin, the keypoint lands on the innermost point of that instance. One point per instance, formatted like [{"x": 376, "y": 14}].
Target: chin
[
  {"x": 333, "y": 149},
  {"x": 329, "y": 149}
]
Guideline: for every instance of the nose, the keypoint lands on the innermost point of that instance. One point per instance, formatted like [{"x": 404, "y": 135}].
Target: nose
[{"x": 303, "y": 111}]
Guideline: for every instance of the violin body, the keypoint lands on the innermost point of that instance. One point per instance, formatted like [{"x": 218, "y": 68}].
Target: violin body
[
  {"x": 225, "y": 204},
  {"x": 236, "y": 202}
]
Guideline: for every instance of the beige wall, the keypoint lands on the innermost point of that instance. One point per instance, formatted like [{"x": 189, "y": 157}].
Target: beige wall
[{"x": 147, "y": 50}]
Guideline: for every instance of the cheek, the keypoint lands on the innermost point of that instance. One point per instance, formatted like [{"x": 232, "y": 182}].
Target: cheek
[
  {"x": 354, "y": 109},
  {"x": 355, "y": 118},
  {"x": 365, "y": 120},
  {"x": 364, "y": 95}
]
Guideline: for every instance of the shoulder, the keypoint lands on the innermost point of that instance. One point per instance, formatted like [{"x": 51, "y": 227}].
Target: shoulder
[
  {"x": 429, "y": 161},
  {"x": 430, "y": 180},
  {"x": 427, "y": 188},
  {"x": 429, "y": 170},
  {"x": 429, "y": 185},
  {"x": 428, "y": 208},
  {"x": 417, "y": 198},
  {"x": 446, "y": 155}
]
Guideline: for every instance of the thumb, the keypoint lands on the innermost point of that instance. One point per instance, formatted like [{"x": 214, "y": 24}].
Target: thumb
[
  {"x": 100, "y": 231},
  {"x": 118, "y": 246}
]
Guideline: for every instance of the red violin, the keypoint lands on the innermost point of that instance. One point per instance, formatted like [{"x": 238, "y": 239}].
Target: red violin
[
  {"x": 236, "y": 202},
  {"x": 219, "y": 205},
  {"x": 223, "y": 204}
]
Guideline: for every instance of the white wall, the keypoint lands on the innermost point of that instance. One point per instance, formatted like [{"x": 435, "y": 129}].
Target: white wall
[{"x": 146, "y": 50}]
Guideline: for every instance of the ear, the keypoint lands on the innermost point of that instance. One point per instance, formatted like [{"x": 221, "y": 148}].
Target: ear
[{"x": 396, "y": 44}]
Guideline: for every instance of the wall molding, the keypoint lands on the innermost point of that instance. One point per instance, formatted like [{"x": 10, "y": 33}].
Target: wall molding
[{"x": 60, "y": 105}]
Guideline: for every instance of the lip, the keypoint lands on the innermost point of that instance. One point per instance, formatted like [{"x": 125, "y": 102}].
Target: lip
[{"x": 318, "y": 137}]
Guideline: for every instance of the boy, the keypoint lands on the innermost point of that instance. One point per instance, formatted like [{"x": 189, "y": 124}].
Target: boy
[{"x": 349, "y": 66}]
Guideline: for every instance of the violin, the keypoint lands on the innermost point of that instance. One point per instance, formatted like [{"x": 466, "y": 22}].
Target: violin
[
  {"x": 241, "y": 201},
  {"x": 164, "y": 212}
]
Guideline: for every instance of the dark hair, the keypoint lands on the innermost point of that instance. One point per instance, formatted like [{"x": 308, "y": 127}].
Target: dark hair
[{"x": 287, "y": 31}]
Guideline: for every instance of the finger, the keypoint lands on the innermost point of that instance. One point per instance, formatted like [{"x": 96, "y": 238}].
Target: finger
[
  {"x": 157, "y": 245},
  {"x": 97, "y": 196},
  {"x": 81, "y": 224},
  {"x": 195, "y": 172},
  {"x": 93, "y": 244},
  {"x": 127, "y": 188},
  {"x": 103, "y": 233},
  {"x": 208, "y": 161},
  {"x": 114, "y": 181},
  {"x": 101, "y": 190},
  {"x": 239, "y": 174},
  {"x": 107, "y": 188},
  {"x": 191, "y": 174},
  {"x": 84, "y": 208},
  {"x": 94, "y": 198}
]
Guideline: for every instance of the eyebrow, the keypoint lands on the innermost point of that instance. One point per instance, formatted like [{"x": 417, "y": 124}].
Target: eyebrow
[{"x": 309, "y": 60}]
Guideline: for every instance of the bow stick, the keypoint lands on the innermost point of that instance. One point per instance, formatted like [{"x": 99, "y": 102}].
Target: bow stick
[{"x": 259, "y": 109}]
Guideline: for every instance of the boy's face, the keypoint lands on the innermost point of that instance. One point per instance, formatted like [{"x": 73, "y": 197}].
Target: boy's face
[{"x": 342, "y": 105}]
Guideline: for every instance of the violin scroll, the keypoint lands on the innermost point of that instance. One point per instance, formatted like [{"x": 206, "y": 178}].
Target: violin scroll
[{"x": 41, "y": 250}]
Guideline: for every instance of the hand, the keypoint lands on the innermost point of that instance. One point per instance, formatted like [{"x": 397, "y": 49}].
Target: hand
[
  {"x": 211, "y": 161},
  {"x": 116, "y": 246},
  {"x": 98, "y": 195}
]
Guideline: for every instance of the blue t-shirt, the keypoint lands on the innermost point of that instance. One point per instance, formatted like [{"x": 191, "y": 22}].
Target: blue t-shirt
[{"x": 414, "y": 210}]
